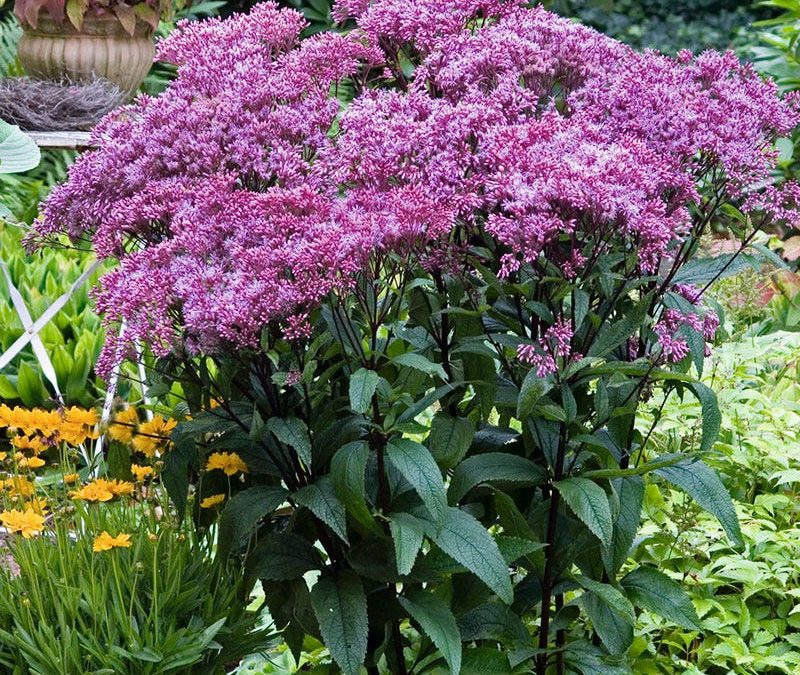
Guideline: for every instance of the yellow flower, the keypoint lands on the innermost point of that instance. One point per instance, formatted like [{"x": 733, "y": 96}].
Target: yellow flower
[
  {"x": 37, "y": 505},
  {"x": 70, "y": 478},
  {"x": 153, "y": 435},
  {"x": 118, "y": 488},
  {"x": 142, "y": 473},
  {"x": 124, "y": 425},
  {"x": 36, "y": 444},
  {"x": 105, "y": 542},
  {"x": 18, "y": 486},
  {"x": 212, "y": 501},
  {"x": 27, "y": 523},
  {"x": 30, "y": 462},
  {"x": 3, "y": 456},
  {"x": 229, "y": 462},
  {"x": 93, "y": 492}
]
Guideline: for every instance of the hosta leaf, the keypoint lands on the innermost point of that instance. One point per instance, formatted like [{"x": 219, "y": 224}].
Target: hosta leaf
[
  {"x": 499, "y": 466},
  {"x": 418, "y": 467},
  {"x": 18, "y": 151},
  {"x": 648, "y": 588},
  {"x": 341, "y": 609},
  {"x": 439, "y": 624},
  {"x": 590, "y": 503}
]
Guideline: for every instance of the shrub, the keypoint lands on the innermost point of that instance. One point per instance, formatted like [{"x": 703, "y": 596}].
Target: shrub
[{"x": 414, "y": 282}]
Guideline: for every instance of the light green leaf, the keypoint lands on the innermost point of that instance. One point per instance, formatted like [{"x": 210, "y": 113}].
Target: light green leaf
[
  {"x": 321, "y": 499},
  {"x": 648, "y": 588},
  {"x": 341, "y": 610},
  {"x": 590, "y": 503},
  {"x": 363, "y": 384},
  {"x": 18, "y": 151},
  {"x": 465, "y": 540},
  {"x": 492, "y": 466},
  {"x": 418, "y": 467},
  {"x": 439, "y": 624},
  {"x": 407, "y": 535}
]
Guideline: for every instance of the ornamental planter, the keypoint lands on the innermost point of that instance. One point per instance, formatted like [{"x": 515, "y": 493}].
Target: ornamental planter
[{"x": 100, "y": 49}]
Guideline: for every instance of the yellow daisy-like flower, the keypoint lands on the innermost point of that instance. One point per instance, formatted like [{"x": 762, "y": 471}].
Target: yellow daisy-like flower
[
  {"x": 93, "y": 492},
  {"x": 3, "y": 456},
  {"x": 37, "y": 505},
  {"x": 30, "y": 462},
  {"x": 212, "y": 501},
  {"x": 229, "y": 462},
  {"x": 105, "y": 542},
  {"x": 28, "y": 523},
  {"x": 36, "y": 445},
  {"x": 70, "y": 478},
  {"x": 119, "y": 488},
  {"x": 124, "y": 425},
  {"x": 142, "y": 473},
  {"x": 18, "y": 486},
  {"x": 153, "y": 435}
]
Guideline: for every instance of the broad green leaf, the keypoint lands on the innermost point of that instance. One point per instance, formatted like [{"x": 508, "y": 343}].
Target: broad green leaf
[
  {"x": 648, "y": 588},
  {"x": 321, "y": 499},
  {"x": 240, "y": 515},
  {"x": 465, "y": 540},
  {"x": 590, "y": 503},
  {"x": 341, "y": 609},
  {"x": 449, "y": 439},
  {"x": 712, "y": 417},
  {"x": 439, "y": 624},
  {"x": 347, "y": 475},
  {"x": 492, "y": 466},
  {"x": 407, "y": 534},
  {"x": 29, "y": 386},
  {"x": 612, "y": 335},
  {"x": 700, "y": 271},
  {"x": 630, "y": 492},
  {"x": 703, "y": 485},
  {"x": 492, "y": 622},
  {"x": 421, "y": 363},
  {"x": 485, "y": 661},
  {"x": 417, "y": 465},
  {"x": 281, "y": 556},
  {"x": 532, "y": 389},
  {"x": 611, "y": 614},
  {"x": 294, "y": 433},
  {"x": 363, "y": 384},
  {"x": 18, "y": 151}
]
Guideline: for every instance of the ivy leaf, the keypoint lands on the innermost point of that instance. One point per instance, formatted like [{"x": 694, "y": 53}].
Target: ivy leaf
[
  {"x": 465, "y": 540},
  {"x": 703, "y": 485},
  {"x": 347, "y": 476},
  {"x": 407, "y": 535},
  {"x": 294, "y": 433},
  {"x": 532, "y": 389},
  {"x": 341, "y": 609},
  {"x": 240, "y": 515},
  {"x": 282, "y": 556},
  {"x": 500, "y": 466},
  {"x": 321, "y": 499},
  {"x": 590, "y": 503},
  {"x": 418, "y": 467},
  {"x": 647, "y": 587},
  {"x": 363, "y": 384},
  {"x": 449, "y": 439},
  {"x": 439, "y": 624}
]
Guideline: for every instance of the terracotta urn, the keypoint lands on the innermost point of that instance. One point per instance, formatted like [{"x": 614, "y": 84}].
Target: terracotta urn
[{"x": 101, "y": 49}]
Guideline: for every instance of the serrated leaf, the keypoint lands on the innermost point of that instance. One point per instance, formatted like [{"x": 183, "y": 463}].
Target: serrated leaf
[
  {"x": 590, "y": 503},
  {"x": 321, "y": 499},
  {"x": 293, "y": 432},
  {"x": 648, "y": 588},
  {"x": 449, "y": 439},
  {"x": 281, "y": 556},
  {"x": 492, "y": 622},
  {"x": 712, "y": 417},
  {"x": 348, "y": 467},
  {"x": 703, "y": 485},
  {"x": 407, "y": 534},
  {"x": 243, "y": 511},
  {"x": 421, "y": 363},
  {"x": 492, "y": 466},
  {"x": 439, "y": 625},
  {"x": 416, "y": 464},
  {"x": 630, "y": 492},
  {"x": 465, "y": 540},
  {"x": 341, "y": 609},
  {"x": 363, "y": 384},
  {"x": 532, "y": 389},
  {"x": 611, "y": 614},
  {"x": 612, "y": 335}
]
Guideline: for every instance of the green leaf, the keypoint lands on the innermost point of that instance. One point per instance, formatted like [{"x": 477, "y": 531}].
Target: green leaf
[
  {"x": 611, "y": 614},
  {"x": 29, "y": 386},
  {"x": 294, "y": 433},
  {"x": 532, "y": 389},
  {"x": 18, "y": 151},
  {"x": 612, "y": 335},
  {"x": 363, "y": 384},
  {"x": 492, "y": 622},
  {"x": 449, "y": 439},
  {"x": 321, "y": 499},
  {"x": 439, "y": 624},
  {"x": 341, "y": 610},
  {"x": 418, "y": 467},
  {"x": 700, "y": 271},
  {"x": 407, "y": 535},
  {"x": 281, "y": 556},
  {"x": 703, "y": 485},
  {"x": 648, "y": 588},
  {"x": 492, "y": 466},
  {"x": 347, "y": 476},
  {"x": 712, "y": 417},
  {"x": 630, "y": 492},
  {"x": 421, "y": 363},
  {"x": 590, "y": 503},
  {"x": 485, "y": 661},
  {"x": 465, "y": 540},
  {"x": 240, "y": 515}
]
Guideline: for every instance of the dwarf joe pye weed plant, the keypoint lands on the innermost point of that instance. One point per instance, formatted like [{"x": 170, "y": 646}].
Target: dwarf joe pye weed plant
[{"x": 419, "y": 278}]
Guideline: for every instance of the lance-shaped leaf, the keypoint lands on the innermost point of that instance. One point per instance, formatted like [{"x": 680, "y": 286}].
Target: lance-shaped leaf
[
  {"x": 363, "y": 384},
  {"x": 243, "y": 511},
  {"x": 347, "y": 475},
  {"x": 321, "y": 499},
  {"x": 407, "y": 533},
  {"x": 294, "y": 433},
  {"x": 590, "y": 503},
  {"x": 492, "y": 466},
  {"x": 439, "y": 624},
  {"x": 648, "y": 588},
  {"x": 419, "y": 468}
]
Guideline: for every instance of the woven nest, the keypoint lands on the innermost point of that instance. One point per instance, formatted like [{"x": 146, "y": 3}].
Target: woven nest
[{"x": 38, "y": 105}]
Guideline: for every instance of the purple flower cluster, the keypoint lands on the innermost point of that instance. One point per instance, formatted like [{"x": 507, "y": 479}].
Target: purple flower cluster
[{"x": 273, "y": 168}]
